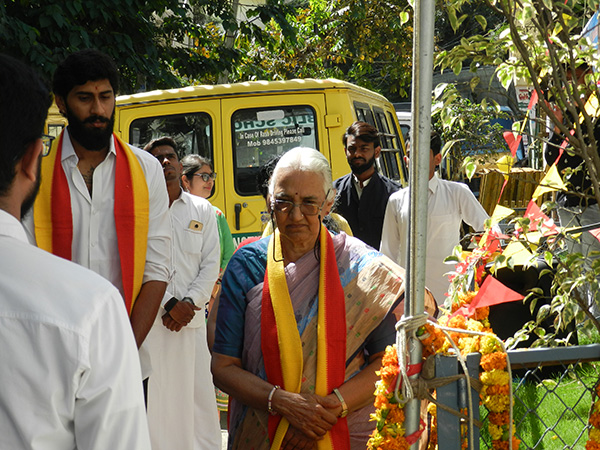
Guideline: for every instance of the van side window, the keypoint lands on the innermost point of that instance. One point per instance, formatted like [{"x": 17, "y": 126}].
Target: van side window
[
  {"x": 192, "y": 132},
  {"x": 364, "y": 113},
  {"x": 261, "y": 133},
  {"x": 389, "y": 145},
  {"x": 402, "y": 152}
]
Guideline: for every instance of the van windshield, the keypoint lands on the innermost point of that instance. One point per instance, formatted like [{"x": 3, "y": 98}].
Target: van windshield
[
  {"x": 192, "y": 132},
  {"x": 259, "y": 134}
]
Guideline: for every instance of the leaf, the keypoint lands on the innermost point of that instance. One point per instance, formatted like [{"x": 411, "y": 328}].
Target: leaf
[
  {"x": 465, "y": 44},
  {"x": 457, "y": 68},
  {"x": 482, "y": 21},
  {"x": 461, "y": 19},
  {"x": 548, "y": 258},
  {"x": 439, "y": 90},
  {"x": 452, "y": 17},
  {"x": 404, "y": 16},
  {"x": 542, "y": 313},
  {"x": 470, "y": 168},
  {"x": 474, "y": 83}
]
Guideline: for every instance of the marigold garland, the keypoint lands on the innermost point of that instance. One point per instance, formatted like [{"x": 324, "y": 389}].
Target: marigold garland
[
  {"x": 495, "y": 395},
  {"x": 593, "y": 442},
  {"x": 389, "y": 416}
]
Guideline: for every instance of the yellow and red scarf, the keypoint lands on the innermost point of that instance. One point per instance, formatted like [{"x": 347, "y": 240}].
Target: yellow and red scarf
[
  {"x": 54, "y": 219},
  {"x": 282, "y": 346}
]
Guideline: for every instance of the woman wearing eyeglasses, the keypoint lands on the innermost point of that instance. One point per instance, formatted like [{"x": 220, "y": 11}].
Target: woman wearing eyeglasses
[
  {"x": 303, "y": 321},
  {"x": 199, "y": 179}
]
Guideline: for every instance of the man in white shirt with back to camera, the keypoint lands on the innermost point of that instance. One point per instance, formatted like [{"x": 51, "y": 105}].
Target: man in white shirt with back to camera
[
  {"x": 69, "y": 367},
  {"x": 450, "y": 203},
  {"x": 182, "y": 406}
]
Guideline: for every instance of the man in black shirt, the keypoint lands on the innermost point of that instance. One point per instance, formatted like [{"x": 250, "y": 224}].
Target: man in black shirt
[{"x": 362, "y": 195}]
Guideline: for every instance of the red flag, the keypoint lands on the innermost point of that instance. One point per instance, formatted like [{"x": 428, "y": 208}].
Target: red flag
[
  {"x": 533, "y": 100},
  {"x": 492, "y": 292},
  {"x": 596, "y": 233},
  {"x": 534, "y": 213},
  {"x": 492, "y": 241},
  {"x": 513, "y": 143}
]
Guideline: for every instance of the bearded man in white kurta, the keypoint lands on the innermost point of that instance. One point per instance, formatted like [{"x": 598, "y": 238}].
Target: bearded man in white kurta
[{"x": 182, "y": 408}]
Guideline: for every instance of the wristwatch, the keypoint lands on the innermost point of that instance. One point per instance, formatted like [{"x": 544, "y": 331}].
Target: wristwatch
[
  {"x": 189, "y": 300},
  {"x": 171, "y": 303}
]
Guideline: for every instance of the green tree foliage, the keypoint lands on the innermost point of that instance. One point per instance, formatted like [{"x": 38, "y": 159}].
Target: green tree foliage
[
  {"x": 169, "y": 43},
  {"x": 156, "y": 44},
  {"x": 543, "y": 44},
  {"x": 366, "y": 42},
  {"x": 471, "y": 137}
]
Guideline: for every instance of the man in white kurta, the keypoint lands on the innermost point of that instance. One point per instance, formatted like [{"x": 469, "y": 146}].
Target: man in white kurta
[
  {"x": 182, "y": 408},
  {"x": 68, "y": 365},
  {"x": 450, "y": 203}
]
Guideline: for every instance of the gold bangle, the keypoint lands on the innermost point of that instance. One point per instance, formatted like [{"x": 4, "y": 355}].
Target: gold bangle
[
  {"x": 344, "y": 412},
  {"x": 270, "y": 399}
]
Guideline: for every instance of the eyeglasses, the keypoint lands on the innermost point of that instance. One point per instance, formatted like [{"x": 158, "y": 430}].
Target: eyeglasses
[
  {"x": 47, "y": 144},
  {"x": 307, "y": 209},
  {"x": 206, "y": 176}
]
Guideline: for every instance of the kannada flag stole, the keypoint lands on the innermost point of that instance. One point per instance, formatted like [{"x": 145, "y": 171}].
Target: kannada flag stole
[
  {"x": 53, "y": 217},
  {"x": 282, "y": 346}
]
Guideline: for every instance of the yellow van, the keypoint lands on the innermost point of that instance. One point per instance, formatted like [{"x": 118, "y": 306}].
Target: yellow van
[{"x": 241, "y": 126}]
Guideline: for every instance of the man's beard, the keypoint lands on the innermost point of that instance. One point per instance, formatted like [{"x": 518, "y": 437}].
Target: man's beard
[
  {"x": 93, "y": 139},
  {"x": 357, "y": 170},
  {"x": 30, "y": 199}
]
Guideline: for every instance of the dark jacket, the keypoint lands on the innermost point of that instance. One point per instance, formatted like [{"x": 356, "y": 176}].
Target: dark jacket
[{"x": 365, "y": 216}]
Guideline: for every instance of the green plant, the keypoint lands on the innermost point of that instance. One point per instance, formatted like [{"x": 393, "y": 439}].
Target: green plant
[{"x": 470, "y": 135}]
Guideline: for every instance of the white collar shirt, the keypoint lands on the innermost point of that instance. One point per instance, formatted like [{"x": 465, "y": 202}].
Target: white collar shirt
[
  {"x": 450, "y": 203},
  {"x": 70, "y": 373},
  {"x": 94, "y": 232},
  {"x": 196, "y": 250},
  {"x": 175, "y": 410},
  {"x": 359, "y": 185}
]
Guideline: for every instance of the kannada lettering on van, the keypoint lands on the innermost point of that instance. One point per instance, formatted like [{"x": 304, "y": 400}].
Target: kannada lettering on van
[
  {"x": 284, "y": 131},
  {"x": 260, "y": 134}
]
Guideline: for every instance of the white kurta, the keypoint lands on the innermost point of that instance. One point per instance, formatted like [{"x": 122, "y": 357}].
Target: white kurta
[
  {"x": 69, "y": 368},
  {"x": 182, "y": 408},
  {"x": 450, "y": 203}
]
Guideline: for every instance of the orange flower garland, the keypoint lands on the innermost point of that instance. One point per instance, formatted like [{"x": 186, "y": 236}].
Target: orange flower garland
[
  {"x": 495, "y": 394},
  {"x": 593, "y": 442},
  {"x": 389, "y": 432}
]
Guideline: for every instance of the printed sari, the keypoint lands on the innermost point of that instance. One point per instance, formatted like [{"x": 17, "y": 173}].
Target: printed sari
[{"x": 372, "y": 285}]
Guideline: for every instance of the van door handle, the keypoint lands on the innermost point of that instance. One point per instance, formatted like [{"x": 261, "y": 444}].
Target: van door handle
[{"x": 238, "y": 210}]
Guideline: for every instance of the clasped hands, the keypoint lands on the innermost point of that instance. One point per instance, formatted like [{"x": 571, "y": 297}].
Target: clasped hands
[
  {"x": 179, "y": 316},
  {"x": 310, "y": 416}
]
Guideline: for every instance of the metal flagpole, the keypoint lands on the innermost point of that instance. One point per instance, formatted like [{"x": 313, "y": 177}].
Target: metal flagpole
[{"x": 419, "y": 179}]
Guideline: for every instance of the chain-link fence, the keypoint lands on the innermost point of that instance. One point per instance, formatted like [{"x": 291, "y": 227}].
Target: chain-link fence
[{"x": 552, "y": 396}]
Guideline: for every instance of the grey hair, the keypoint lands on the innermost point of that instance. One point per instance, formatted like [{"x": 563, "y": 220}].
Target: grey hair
[{"x": 305, "y": 159}]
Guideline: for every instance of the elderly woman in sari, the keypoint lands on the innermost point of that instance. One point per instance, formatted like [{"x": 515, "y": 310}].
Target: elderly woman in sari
[{"x": 303, "y": 321}]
